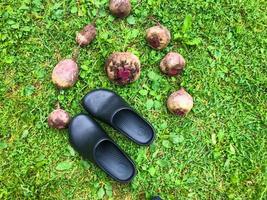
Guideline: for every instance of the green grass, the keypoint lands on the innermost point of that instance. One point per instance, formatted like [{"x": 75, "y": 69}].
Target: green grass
[{"x": 218, "y": 151}]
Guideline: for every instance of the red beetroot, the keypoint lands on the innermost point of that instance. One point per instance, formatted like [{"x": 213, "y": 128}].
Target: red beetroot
[
  {"x": 120, "y": 8},
  {"x": 86, "y": 35},
  {"x": 180, "y": 102},
  {"x": 58, "y": 119},
  {"x": 123, "y": 68},
  {"x": 172, "y": 64},
  {"x": 158, "y": 37},
  {"x": 65, "y": 74}
]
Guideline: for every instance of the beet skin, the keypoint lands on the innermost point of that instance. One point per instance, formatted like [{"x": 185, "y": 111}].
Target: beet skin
[
  {"x": 58, "y": 119},
  {"x": 172, "y": 64},
  {"x": 120, "y": 8},
  {"x": 180, "y": 102},
  {"x": 86, "y": 35},
  {"x": 65, "y": 74},
  {"x": 158, "y": 37}
]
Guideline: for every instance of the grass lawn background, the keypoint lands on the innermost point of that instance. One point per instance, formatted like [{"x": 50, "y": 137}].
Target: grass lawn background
[{"x": 218, "y": 151}]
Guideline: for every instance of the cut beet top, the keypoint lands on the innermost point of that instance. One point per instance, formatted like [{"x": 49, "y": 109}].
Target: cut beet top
[{"x": 123, "y": 68}]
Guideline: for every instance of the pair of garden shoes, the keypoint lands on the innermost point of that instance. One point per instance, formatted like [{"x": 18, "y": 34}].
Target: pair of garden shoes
[{"x": 89, "y": 139}]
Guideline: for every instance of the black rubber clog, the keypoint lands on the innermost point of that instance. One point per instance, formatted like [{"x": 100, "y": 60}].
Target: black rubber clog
[
  {"x": 156, "y": 198},
  {"x": 112, "y": 109},
  {"x": 92, "y": 143}
]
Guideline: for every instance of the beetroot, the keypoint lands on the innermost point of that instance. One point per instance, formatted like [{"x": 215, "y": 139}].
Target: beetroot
[
  {"x": 180, "y": 102},
  {"x": 120, "y": 8},
  {"x": 158, "y": 37},
  {"x": 123, "y": 68},
  {"x": 172, "y": 64},
  {"x": 86, "y": 35},
  {"x": 58, "y": 119},
  {"x": 65, "y": 74}
]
